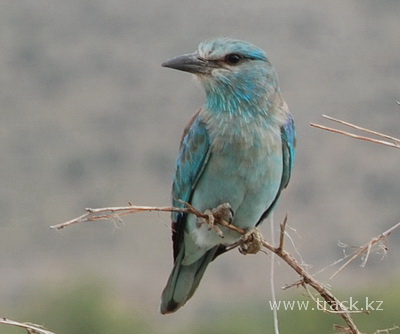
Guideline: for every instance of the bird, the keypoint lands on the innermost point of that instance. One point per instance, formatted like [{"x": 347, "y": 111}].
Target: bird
[{"x": 238, "y": 148}]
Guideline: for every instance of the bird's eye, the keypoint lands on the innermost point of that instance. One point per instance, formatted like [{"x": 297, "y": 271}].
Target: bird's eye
[{"x": 233, "y": 59}]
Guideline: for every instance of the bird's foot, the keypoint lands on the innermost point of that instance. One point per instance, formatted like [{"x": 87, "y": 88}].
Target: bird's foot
[
  {"x": 222, "y": 212},
  {"x": 212, "y": 225},
  {"x": 251, "y": 242}
]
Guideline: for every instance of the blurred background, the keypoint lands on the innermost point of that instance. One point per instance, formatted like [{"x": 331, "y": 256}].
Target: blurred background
[{"x": 89, "y": 119}]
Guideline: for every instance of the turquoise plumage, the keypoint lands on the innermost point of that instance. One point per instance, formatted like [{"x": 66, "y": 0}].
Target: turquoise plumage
[{"x": 238, "y": 148}]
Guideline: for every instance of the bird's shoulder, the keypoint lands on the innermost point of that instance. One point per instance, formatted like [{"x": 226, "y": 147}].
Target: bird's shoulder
[{"x": 189, "y": 125}]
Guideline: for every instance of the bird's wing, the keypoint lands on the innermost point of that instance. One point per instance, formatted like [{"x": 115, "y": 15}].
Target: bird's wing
[
  {"x": 288, "y": 137},
  {"x": 288, "y": 134},
  {"x": 193, "y": 156}
]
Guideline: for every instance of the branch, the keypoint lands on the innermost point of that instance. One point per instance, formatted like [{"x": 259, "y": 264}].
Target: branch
[
  {"x": 30, "y": 328},
  {"x": 390, "y": 141},
  {"x": 386, "y": 330},
  {"x": 217, "y": 218},
  {"x": 366, "y": 248},
  {"x": 114, "y": 212},
  {"x": 306, "y": 278}
]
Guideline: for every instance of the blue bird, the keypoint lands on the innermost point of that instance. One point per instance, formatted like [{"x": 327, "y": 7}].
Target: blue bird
[{"x": 238, "y": 148}]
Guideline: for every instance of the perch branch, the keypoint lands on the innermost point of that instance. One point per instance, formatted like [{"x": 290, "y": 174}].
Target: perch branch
[
  {"x": 114, "y": 212},
  {"x": 306, "y": 278},
  {"x": 390, "y": 141}
]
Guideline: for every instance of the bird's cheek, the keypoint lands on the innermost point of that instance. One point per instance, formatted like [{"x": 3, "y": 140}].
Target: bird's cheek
[{"x": 220, "y": 74}]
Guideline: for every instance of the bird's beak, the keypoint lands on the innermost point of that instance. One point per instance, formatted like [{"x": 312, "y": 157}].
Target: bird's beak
[{"x": 190, "y": 62}]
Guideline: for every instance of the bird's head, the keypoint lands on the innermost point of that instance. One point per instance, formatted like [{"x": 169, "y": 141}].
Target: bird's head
[{"x": 230, "y": 71}]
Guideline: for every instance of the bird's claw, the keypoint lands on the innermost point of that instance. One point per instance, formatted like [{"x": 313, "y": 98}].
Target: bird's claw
[
  {"x": 212, "y": 225},
  {"x": 222, "y": 212},
  {"x": 251, "y": 242}
]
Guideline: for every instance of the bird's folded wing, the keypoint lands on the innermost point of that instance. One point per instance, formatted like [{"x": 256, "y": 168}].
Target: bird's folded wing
[
  {"x": 192, "y": 159},
  {"x": 288, "y": 134}
]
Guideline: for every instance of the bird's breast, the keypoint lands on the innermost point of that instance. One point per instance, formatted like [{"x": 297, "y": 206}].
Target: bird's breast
[
  {"x": 244, "y": 170},
  {"x": 246, "y": 158},
  {"x": 245, "y": 144}
]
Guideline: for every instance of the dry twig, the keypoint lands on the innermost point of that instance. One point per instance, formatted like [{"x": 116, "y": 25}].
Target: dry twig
[
  {"x": 390, "y": 141},
  {"x": 386, "y": 330},
  {"x": 30, "y": 328},
  {"x": 306, "y": 278},
  {"x": 366, "y": 249}
]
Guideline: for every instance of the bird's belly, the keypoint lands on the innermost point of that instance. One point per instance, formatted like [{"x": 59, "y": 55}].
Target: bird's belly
[{"x": 248, "y": 179}]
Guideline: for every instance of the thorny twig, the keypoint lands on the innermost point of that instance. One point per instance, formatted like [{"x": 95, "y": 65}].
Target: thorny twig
[
  {"x": 366, "y": 249},
  {"x": 306, "y": 278}
]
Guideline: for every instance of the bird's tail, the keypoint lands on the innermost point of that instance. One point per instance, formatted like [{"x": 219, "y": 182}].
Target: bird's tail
[{"x": 183, "y": 281}]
